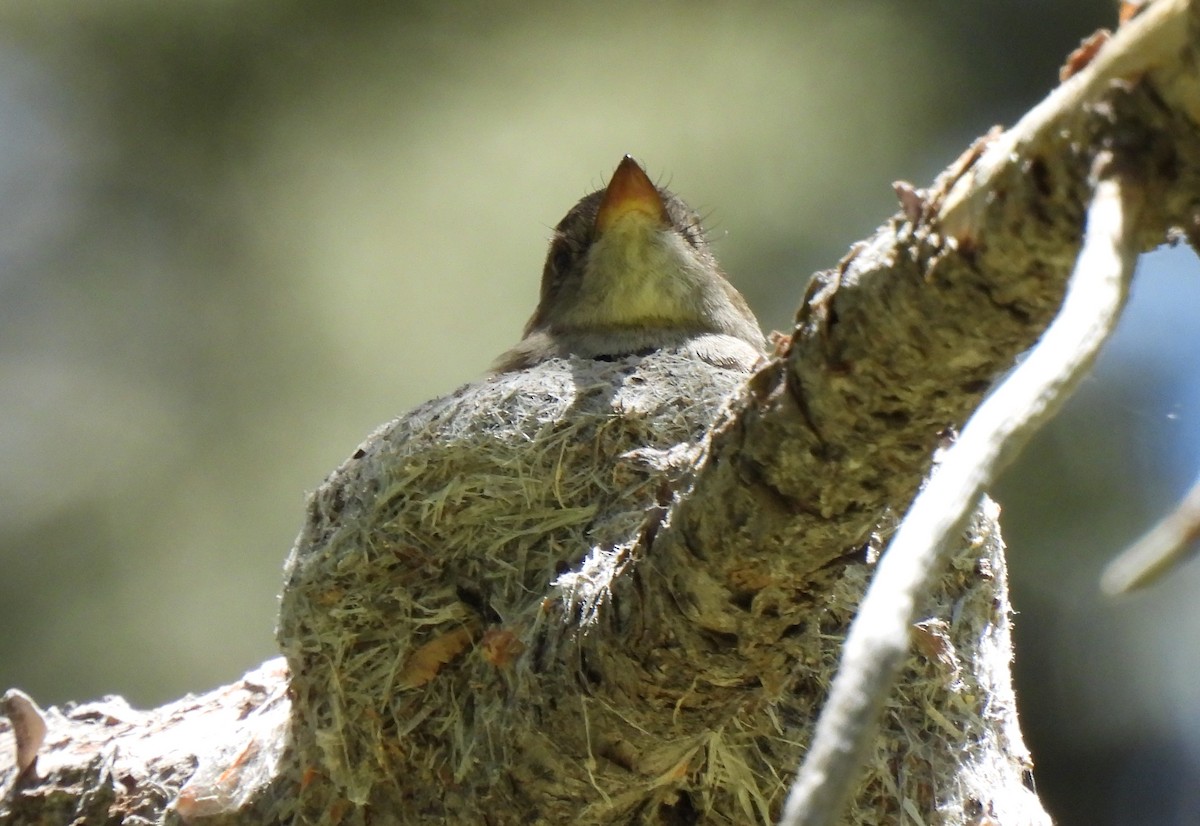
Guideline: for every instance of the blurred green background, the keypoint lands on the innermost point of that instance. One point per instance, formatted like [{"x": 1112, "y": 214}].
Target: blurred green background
[{"x": 235, "y": 237}]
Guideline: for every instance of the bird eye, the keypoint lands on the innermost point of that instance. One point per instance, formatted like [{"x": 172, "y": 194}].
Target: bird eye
[{"x": 561, "y": 258}]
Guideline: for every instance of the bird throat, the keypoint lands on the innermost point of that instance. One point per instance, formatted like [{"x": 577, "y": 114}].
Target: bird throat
[{"x": 637, "y": 276}]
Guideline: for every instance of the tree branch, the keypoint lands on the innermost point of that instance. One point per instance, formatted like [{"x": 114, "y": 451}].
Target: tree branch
[{"x": 1027, "y": 398}]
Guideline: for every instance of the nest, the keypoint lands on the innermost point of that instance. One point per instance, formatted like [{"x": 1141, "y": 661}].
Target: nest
[
  {"x": 433, "y": 561},
  {"x": 482, "y": 628}
]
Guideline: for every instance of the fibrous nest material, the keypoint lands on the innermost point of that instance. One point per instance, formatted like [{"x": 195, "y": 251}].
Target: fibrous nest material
[
  {"x": 444, "y": 562},
  {"x": 485, "y": 625}
]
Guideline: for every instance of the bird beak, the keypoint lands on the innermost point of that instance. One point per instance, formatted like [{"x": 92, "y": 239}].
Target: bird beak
[{"x": 630, "y": 192}]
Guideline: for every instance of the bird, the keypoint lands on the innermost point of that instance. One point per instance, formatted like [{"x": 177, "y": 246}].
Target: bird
[{"x": 630, "y": 272}]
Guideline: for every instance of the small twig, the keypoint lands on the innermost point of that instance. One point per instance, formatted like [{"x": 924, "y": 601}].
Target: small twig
[
  {"x": 1168, "y": 542},
  {"x": 878, "y": 639}
]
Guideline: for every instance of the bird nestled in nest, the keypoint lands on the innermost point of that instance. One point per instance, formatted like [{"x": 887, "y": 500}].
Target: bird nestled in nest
[{"x": 629, "y": 272}]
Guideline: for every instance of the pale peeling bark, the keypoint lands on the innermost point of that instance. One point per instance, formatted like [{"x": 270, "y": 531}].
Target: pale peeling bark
[{"x": 567, "y": 596}]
